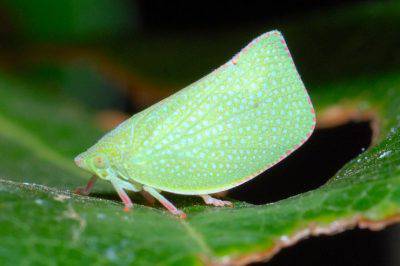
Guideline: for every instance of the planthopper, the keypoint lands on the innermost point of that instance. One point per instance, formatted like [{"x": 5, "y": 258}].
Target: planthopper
[{"x": 215, "y": 134}]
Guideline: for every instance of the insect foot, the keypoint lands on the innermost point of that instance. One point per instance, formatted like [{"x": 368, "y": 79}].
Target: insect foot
[
  {"x": 85, "y": 191},
  {"x": 180, "y": 214},
  {"x": 216, "y": 202},
  {"x": 127, "y": 208},
  {"x": 81, "y": 191}
]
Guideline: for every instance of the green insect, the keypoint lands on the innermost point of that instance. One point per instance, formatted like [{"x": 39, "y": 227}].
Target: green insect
[{"x": 213, "y": 135}]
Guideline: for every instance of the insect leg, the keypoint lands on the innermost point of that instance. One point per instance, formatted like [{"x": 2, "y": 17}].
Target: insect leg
[
  {"x": 124, "y": 197},
  {"x": 215, "y": 202},
  {"x": 86, "y": 190},
  {"x": 167, "y": 204},
  {"x": 150, "y": 199}
]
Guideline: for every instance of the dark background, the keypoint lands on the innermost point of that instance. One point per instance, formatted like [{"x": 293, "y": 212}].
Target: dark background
[{"x": 85, "y": 48}]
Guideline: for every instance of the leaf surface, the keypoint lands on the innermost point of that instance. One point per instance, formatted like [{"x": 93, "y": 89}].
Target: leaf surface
[{"x": 42, "y": 222}]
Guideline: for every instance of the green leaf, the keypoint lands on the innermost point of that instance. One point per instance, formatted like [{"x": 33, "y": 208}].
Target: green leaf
[{"x": 41, "y": 132}]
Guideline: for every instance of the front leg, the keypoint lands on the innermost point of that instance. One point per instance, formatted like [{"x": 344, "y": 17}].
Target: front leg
[
  {"x": 84, "y": 191},
  {"x": 215, "y": 202}
]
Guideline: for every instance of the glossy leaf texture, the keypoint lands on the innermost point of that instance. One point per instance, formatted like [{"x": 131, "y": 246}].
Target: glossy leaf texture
[{"x": 42, "y": 222}]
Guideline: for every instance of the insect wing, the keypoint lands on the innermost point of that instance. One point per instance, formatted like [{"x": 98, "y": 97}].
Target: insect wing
[{"x": 225, "y": 128}]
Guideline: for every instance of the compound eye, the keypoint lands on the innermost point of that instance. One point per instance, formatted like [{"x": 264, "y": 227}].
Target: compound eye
[{"x": 99, "y": 162}]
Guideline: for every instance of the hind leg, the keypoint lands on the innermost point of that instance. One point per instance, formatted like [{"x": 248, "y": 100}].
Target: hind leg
[
  {"x": 215, "y": 202},
  {"x": 150, "y": 199},
  {"x": 166, "y": 203}
]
